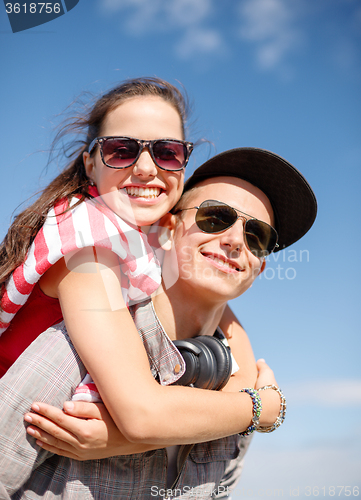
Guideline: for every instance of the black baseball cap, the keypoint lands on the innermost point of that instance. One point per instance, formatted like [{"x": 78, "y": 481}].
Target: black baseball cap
[{"x": 292, "y": 199}]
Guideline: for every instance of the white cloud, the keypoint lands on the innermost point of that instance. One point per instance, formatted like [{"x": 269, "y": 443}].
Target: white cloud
[
  {"x": 114, "y": 5},
  {"x": 199, "y": 42},
  {"x": 313, "y": 454},
  {"x": 139, "y": 17},
  {"x": 329, "y": 393},
  {"x": 188, "y": 12},
  {"x": 270, "y": 25},
  {"x": 146, "y": 16},
  {"x": 275, "y": 30},
  {"x": 185, "y": 18},
  {"x": 264, "y": 18},
  {"x": 317, "y": 470}
]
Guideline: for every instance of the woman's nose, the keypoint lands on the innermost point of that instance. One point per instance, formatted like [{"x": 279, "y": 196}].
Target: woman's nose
[{"x": 145, "y": 166}]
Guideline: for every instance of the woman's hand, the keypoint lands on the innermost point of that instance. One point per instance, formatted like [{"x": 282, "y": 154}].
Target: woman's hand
[{"x": 83, "y": 431}]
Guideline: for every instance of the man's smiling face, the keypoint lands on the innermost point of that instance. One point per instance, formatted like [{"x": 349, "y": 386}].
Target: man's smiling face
[{"x": 219, "y": 265}]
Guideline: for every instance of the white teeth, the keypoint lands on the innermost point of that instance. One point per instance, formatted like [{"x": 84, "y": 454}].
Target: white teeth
[
  {"x": 223, "y": 263},
  {"x": 151, "y": 192}
]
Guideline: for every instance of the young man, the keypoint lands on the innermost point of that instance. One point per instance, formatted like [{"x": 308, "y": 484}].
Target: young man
[{"x": 222, "y": 229}]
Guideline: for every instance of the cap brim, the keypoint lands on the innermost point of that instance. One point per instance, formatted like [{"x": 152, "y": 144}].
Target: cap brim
[{"x": 293, "y": 201}]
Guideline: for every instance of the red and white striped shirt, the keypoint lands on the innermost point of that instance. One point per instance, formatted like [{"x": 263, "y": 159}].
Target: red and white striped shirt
[{"x": 89, "y": 224}]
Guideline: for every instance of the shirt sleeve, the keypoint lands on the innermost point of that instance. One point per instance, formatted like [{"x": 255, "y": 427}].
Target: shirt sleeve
[
  {"x": 49, "y": 371},
  {"x": 64, "y": 232}
]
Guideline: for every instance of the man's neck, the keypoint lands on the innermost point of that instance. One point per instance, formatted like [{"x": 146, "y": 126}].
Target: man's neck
[{"x": 183, "y": 317}]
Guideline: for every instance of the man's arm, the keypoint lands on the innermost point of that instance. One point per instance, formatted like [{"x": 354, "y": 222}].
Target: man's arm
[
  {"x": 242, "y": 351},
  {"x": 49, "y": 370}
]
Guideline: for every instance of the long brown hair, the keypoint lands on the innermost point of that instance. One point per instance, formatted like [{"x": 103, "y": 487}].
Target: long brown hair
[{"x": 73, "y": 179}]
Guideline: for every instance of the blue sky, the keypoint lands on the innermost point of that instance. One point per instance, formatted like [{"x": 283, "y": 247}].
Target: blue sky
[{"x": 283, "y": 75}]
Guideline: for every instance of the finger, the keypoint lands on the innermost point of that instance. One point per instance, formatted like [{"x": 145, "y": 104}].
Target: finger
[
  {"x": 52, "y": 413},
  {"x": 82, "y": 409},
  {"x": 59, "y": 451},
  {"x": 263, "y": 367},
  {"x": 265, "y": 375},
  {"x": 261, "y": 364},
  {"x": 41, "y": 424},
  {"x": 63, "y": 420},
  {"x": 48, "y": 439}
]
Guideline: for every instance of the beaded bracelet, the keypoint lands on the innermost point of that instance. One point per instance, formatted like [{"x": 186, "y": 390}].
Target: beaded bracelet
[
  {"x": 282, "y": 413},
  {"x": 256, "y": 409}
]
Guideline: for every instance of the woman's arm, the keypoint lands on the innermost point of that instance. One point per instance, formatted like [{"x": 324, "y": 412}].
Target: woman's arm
[
  {"x": 117, "y": 361},
  {"x": 85, "y": 431}
]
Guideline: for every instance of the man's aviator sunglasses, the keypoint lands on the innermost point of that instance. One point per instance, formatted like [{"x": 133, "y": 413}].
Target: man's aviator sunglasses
[
  {"x": 214, "y": 217},
  {"x": 123, "y": 152}
]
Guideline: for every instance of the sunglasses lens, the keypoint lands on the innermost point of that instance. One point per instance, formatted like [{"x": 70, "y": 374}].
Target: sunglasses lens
[
  {"x": 120, "y": 153},
  {"x": 214, "y": 219},
  {"x": 261, "y": 238},
  {"x": 170, "y": 155}
]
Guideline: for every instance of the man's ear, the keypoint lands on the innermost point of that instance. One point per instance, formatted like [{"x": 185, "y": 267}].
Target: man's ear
[
  {"x": 263, "y": 266},
  {"x": 166, "y": 230},
  {"x": 88, "y": 165}
]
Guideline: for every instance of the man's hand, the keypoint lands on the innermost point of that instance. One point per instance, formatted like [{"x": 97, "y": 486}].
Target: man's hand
[
  {"x": 265, "y": 375},
  {"x": 270, "y": 399},
  {"x": 83, "y": 431}
]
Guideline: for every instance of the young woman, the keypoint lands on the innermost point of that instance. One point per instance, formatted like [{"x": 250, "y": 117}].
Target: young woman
[{"x": 111, "y": 175}]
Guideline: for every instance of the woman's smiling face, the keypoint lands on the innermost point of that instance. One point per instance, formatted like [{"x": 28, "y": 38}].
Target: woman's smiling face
[{"x": 142, "y": 193}]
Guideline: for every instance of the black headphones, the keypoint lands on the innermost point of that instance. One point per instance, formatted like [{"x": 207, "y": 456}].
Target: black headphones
[{"x": 208, "y": 362}]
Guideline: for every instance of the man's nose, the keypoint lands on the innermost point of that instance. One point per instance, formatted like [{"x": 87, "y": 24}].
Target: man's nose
[
  {"x": 145, "y": 166},
  {"x": 233, "y": 237}
]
